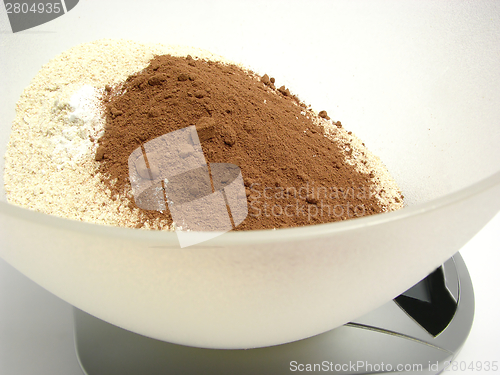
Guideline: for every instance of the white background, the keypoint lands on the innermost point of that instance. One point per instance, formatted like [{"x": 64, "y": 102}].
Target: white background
[{"x": 36, "y": 327}]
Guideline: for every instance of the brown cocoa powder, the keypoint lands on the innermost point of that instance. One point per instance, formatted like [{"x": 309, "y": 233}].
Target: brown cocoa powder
[{"x": 293, "y": 172}]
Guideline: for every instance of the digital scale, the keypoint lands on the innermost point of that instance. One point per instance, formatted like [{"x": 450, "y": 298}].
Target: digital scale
[
  {"x": 97, "y": 345},
  {"x": 419, "y": 332}
]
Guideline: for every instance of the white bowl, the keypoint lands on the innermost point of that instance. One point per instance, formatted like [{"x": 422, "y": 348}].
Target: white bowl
[{"x": 419, "y": 83}]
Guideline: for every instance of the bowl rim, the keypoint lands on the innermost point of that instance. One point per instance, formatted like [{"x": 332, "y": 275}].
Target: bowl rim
[{"x": 168, "y": 239}]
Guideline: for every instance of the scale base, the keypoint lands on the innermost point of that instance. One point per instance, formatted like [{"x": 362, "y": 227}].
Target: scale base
[{"x": 419, "y": 332}]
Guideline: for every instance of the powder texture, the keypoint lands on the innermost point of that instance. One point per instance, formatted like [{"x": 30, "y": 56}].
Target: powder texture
[
  {"x": 295, "y": 175},
  {"x": 67, "y": 149}
]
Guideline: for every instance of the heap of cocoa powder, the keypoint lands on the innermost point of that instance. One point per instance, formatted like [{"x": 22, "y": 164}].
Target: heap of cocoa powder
[{"x": 293, "y": 172}]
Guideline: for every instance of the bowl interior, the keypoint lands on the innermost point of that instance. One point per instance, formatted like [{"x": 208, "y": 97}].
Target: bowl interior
[{"x": 419, "y": 85}]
